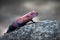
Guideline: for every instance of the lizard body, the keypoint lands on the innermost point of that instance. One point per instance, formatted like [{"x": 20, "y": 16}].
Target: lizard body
[{"x": 22, "y": 21}]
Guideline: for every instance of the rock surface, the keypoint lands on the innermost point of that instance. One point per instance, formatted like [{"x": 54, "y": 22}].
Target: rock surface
[{"x": 43, "y": 30}]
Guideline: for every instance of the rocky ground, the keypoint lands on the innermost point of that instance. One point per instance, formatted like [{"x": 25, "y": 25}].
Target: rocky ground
[{"x": 43, "y": 30}]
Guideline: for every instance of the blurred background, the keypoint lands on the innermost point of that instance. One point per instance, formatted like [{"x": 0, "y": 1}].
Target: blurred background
[{"x": 12, "y": 9}]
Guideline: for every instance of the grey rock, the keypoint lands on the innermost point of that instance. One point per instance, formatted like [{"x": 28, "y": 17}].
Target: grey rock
[{"x": 43, "y": 30}]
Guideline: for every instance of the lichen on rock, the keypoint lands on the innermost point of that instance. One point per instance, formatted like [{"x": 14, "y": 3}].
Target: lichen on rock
[{"x": 43, "y": 30}]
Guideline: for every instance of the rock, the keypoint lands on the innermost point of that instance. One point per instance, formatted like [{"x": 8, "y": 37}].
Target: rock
[{"x": 43, "y": 30}]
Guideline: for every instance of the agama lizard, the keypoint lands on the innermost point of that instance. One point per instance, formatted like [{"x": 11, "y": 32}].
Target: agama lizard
[{"x": 21, "y": 21}]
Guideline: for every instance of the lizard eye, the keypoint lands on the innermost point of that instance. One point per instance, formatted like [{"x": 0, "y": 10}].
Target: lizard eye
[{"x": 32, "y": 14}]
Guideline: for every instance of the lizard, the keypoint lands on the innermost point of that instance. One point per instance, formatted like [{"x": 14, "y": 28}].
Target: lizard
[{"x": 21, "y": 21}]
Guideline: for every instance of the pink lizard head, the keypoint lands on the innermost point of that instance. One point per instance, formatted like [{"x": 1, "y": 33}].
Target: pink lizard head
[{"x": 32, "y": 14}]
